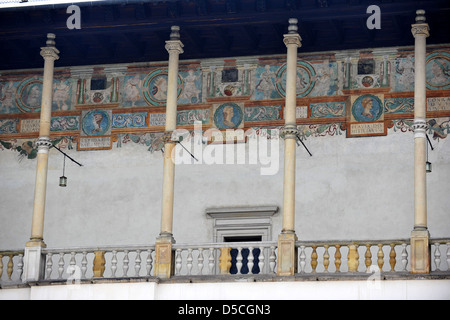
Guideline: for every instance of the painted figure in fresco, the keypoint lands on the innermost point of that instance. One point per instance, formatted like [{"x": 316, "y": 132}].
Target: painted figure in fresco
[
  {"x": 132, "y": 90},
  {"x": 228, "y": 114},
  {"x": 367, "y": 104},
  {"x": 440, "y": 72},
  {"x": 61, "y": 94},
  {"x": 323, "y": 79},
  {"x": 266, "y": 84},
  {"x": 32, "y": 96},
  {"x": 367, "y": 108},
  {"x": 190, "y": 89},
  {"x": 405, "y": 68},
  {"x": 97, "y": 121},
  {"x": 301, "y": 83},
  {"x": 7, "y": 96},
  {"x": 160, "y": 89}
]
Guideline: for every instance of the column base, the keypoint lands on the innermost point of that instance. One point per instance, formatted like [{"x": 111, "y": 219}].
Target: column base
[
  {"x": 287, "y": 261},
  {"x": 164, "y": 256},
  {"x": 35, "y": 243},
  {"x": 33, "y": 261},
  {"x": 420, "y": 251}
]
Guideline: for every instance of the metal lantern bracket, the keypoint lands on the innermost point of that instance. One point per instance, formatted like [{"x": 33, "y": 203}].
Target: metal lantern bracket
[
  {"x": 63, "y": 179},
  {"x": 65, "y": 154}
]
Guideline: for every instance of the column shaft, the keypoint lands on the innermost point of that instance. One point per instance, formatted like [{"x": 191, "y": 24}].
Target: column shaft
[
  {"x": 164, "y": 255},
  {"x": 287, "y": 253},
  {"x": 34, "y": 260},
  {"x": 50, "y": 54},
  {"x": 420, "y": 244},
  {"x": 174, "y": 48}
]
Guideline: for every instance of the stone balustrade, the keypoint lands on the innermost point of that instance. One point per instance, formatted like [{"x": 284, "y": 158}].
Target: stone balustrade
[
  {"x": 101, "y": 262},
  {"x": 229, "y": 258},
  {"x": 11, "y": 266},
  {"x": 365, "y": 256},
  {"x": 224, "y": 259}
]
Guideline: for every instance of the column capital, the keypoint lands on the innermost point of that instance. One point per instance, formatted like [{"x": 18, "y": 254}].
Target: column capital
[
  {"x": 174, "y": 46},
  {"x": 420, "y": 28},
  {"x": 292, "y": 39},
  {"x": 50, "y": 51}
]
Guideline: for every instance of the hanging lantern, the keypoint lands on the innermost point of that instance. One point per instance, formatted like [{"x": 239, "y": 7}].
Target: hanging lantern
[
  {"x": 63, "y": 179},
  {"x": 428, "y": 167}
]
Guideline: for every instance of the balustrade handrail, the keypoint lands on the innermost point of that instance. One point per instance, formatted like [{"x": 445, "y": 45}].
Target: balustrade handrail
[
  {"x": 12, "y": 252},
  {"x": 353, "y": 242},
  {"x": 98, "y": 248},
  {"x": 218, "y": 245}
]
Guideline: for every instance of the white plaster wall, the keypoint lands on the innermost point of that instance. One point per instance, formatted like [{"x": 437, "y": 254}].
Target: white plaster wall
[
  {"x": 284, "y": 290},
  {"x": 359, "y": 188}
]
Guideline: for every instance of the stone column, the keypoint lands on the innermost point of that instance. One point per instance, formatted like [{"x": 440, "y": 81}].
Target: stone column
[
  {"x": 287, "y": 255},
  {"x": 164, "y": 256},
  {"x": 33, "y": 260},
  {"x": 420, "y": 246}
]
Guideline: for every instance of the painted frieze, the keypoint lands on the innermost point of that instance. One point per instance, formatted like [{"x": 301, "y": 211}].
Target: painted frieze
[{"x": 361, "y": 92}]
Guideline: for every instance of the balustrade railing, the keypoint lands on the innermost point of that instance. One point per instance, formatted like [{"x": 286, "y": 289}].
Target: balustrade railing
[
  {"x": 11, "y": 266},
  {"x": 102, "y": 262},
  {"x": 365, "y": 256},
  {"x": 238, "y": 258},
  {"x": 228, "y": 258}
]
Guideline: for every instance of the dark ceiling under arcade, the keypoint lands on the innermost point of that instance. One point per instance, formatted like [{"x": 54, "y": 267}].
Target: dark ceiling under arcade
[{"x": 136, "y": 31}]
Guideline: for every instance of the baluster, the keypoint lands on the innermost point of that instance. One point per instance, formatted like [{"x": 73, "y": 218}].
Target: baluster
[
  {"x": 72, "y": 264},
  {"x": 272, "y": 259},
  {"x": 84, "y": 263},
  {"x": 1, "y": 266},
  {"x": 314, "y": 257},
  {"x": 99, "y": 264},
  {"x": 368, "y": 256},
  {"x": 404, "y": 257},
  {"x": 239, "y": 260},
  {"x": 250, "y": 260},
  {"x": 114, "y": 263},
  {"x": 261, "y": 260},
  {"x": 326, "y": 258},
  {"x": 137, "y": 263},
  {"x": 126, "y": 261},
  {"x": 337, "y": 258},
  {"x": 437, "y": 256},
  {"x": 49, "y": 265},
  {"x": 392, "y": 257},
  {"x": 353, "y": 258},
  {"x": 200, "y": 260},
  {"x": 10, "y": 267},
  {"x": 380, "y": 256},
  {"x": 225, "y": 260},
  {"x": 149, "y": 265},
  {"x": 61, "y": 265},
  {"x": 302, "y": 259},
  {"x": 178, "y": 262},
  {"x": 189, "y": 261},
  {"x": 211, "y": 261},
  {"x": 20, "y": 266}
]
